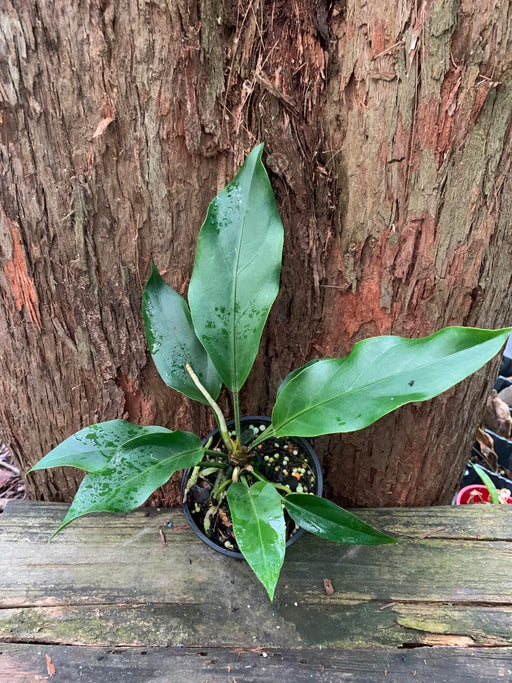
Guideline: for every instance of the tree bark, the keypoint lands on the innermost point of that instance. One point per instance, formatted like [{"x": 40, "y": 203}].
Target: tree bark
[{"x": 387, "y": 130}]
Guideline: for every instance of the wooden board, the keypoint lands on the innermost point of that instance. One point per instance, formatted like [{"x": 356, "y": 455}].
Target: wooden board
[
  {"x": 28, "y": 663},
  {"x": 110, "y": 581}
]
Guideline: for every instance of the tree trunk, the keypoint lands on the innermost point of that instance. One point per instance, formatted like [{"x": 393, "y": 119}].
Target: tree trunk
[{"x": 387, "y": 130}]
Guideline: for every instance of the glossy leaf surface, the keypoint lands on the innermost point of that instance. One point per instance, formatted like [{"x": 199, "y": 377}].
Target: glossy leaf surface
[
  {"x": 236, "y": 271},
  {"x": 91, "y": 448},
  {"x": 379, "y": 375},
  {"x": 258, "y": 524},
  {"x": 292, "y": 374},
  {"x": 173, "y": 342},
  {"x": 323, "y": 518},
  {"x": 134, "y": 472}
]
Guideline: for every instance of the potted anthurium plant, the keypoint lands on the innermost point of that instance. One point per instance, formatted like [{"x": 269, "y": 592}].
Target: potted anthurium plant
[{"x": 250, "y": 486}]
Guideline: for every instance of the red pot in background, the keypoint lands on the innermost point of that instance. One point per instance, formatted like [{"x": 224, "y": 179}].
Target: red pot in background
[{"x": 480, "y": 495}]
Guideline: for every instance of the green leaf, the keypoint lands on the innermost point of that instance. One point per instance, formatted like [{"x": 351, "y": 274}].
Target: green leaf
[
  {"x": 489, "y": 484},
  {"x": 91, "y": 448},
  {"x": 379, "y": 375},
  {"x": 173, "y": 342},
  {"x": 138, "y": 468},
  {"x": 236, "y": 271},
  {"x": 258, "y": 524},
  {"x": 292, "y": 374},
  {"x": 325, "y": 519}
]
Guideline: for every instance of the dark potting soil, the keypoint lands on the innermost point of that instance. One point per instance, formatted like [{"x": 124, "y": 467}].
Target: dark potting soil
[{"x": 279, "y": 460}]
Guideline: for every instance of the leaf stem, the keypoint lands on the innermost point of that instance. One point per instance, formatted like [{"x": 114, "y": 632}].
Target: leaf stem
[
  {"x": 267, "y": 434},
  {"x": 219, "y": 417},
  {"x": 211, "y": 451},
  {"x": 236, "y": 408},
  {"x": 224, "y": 485},
  {"x": 218, "y": 465},
  {"x": 259, "y": 476}
]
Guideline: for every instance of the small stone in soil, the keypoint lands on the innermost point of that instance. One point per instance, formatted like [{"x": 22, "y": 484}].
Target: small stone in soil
[{"x": 199, "y": 494}]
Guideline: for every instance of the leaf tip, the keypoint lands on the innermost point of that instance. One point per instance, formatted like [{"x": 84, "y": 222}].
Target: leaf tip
[
  {"x": 61, "y": 526},
  {"x": 58, "y": 530},
  {"x": 270, "y": 587},
  {"x": 154, "y": 275}
]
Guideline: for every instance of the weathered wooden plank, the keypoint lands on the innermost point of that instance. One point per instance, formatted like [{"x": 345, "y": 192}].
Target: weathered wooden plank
[
  {"x": 345, "y": 624},
  {"x": 478, "y": 522},
  {"x": 108, "y": 580},
  {"x": 105, "y": 564},
  {"x": 29, "y": 663}
]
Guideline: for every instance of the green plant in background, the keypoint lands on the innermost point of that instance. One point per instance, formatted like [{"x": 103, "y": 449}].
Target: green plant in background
[
  {"x": 213, "y": 341},
  {"x": 489, "y": 484},
  {"x": 497, "y": 496}
]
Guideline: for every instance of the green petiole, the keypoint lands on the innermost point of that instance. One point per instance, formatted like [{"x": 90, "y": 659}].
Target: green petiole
[
  {"x": 260, "y": 477},
  {"x": 267, "y": 434},
  {"x": 219, "y": 417}
]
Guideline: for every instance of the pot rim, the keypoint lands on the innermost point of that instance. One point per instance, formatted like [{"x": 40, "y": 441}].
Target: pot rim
[{"x": 198, "y": 531}]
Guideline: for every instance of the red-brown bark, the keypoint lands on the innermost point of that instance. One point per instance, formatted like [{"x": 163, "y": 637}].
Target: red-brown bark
[{"x": 387, "y": 132}]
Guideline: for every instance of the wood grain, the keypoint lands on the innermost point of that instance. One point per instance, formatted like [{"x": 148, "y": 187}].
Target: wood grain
[
  {"x": 108, "y": 581},
  {"x": 27, "y": 664}
]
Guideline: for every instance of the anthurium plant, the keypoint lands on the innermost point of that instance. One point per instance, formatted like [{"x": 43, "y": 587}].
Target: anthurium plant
[{"x": 212, "y": 341}]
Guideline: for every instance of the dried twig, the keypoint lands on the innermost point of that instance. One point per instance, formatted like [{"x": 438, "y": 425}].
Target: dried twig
[
  {"x": 431, "y": 532},
  {"x": 163, "y": 539}
]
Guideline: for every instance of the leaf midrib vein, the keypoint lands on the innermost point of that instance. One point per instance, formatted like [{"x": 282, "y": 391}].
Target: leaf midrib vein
[{"x": 234, "y": 288}]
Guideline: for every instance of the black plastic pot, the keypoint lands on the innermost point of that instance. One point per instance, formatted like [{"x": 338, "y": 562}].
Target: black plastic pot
[
  {"x": 501, "y": 383},
  {"x": 503, "y": 449},
  {"x": 251, "y": 419},
  {"x": 506, "y": 365},
  {"x": 471, "y": 477}
]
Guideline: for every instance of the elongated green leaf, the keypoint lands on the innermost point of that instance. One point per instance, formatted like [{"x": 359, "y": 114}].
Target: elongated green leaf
[
  {"x": 379, "y": 375},
  {"x": 91, "y": 448},
  {"x": 137, "y": 469},
  {"x": 236, "y": 271},
  {"x": 173, "y": 342},
  {"x": 292, "y": 374},
  {"x": 323, "y": 518},
  {"x": 486, "y": 479},
  {"x": 258, "y": 523}
]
